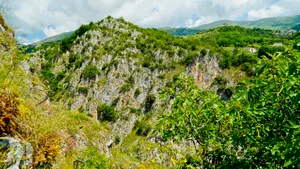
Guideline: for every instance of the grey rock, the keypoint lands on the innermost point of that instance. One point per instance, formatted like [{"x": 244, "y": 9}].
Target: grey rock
[{"x": 19, "y": 155}]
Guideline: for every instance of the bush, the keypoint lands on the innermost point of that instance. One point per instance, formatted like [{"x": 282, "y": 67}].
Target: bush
[
  {"x": 90, "y": 72},
  {"x": 125, "y": 88},
  {"x": 150, "y": 99},
  {"x": 137, "y": 92},
  {"x": 67, "y": 42},
  {"x": 131, "y": 80},
  {"x": 249, "y": 69},
  {"x": 143, "y": 128},
  {"x": 107, "y": 113},
  {"x": 115, "y": 102},
  {"x": 266, "y": 50},
  {"x": 117, "y": 139},
  {"x": 94, "y": 160},
  {"x": 219, "y": 80},
  {"x": 147, "y": 62},
  {"x": 83, "y": 90},
  {"x": 135, "y": 111},
  {"x": 225, "y": 93}
]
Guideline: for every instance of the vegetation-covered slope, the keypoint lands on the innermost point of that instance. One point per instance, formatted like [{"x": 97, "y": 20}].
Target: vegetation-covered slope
[
  {"x": 275, "y": 23},
  {"x": 258, "y": 127},
  {"x": 114, "y": 95}
]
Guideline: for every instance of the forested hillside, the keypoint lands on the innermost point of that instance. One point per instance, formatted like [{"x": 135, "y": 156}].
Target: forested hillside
[
  {"x": 115, "y": 95},
  {"x": 274, "y": 23}
]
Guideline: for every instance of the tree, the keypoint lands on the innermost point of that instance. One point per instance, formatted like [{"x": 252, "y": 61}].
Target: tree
[
  {"x": 107, "y": 113},
  {"x": 258, "y": 128}
]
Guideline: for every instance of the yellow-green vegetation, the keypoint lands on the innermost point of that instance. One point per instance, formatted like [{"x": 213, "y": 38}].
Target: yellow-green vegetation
[{"x": 52, "y": 130}]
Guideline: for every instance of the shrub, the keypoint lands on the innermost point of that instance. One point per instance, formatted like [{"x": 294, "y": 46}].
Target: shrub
[
  {"x": 266, "y": 50},
  {"x": 137, "y": 92},
  {"x": 117, "y": 139},
  {"x": 219, "y": 80},
  {"x": 94, "y": 159},
  {"x": 135, "y": 111},
  {"x": 131, "y": 80},
  {"x": 162, "y": 76},
  {"x": 67, "y": 42},
  {"x": 90, "y": 72},
  {"x": 146, "y": 62},
  {"x": 48, "y": 75},
  {"x": 225, "y": 93},
  {"x": 107, "y": 113},
  {"x": 83, "y": 90},
  {"x": 249, "y": 69},
  {"x": 150, "y": 99},
  {"x": 143, "y": 128},
  {"x": 88, "y": 36},
  {"x": 115, "y": 102}
]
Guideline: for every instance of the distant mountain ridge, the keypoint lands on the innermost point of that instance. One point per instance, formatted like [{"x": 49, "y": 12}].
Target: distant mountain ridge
[
  {"x": 55, "y": 38},
  {"x": 274, "y": 23}
]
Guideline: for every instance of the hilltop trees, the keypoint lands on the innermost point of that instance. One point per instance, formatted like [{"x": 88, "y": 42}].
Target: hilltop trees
[
  {"x": 66, "y": 43},
  {"x": 226, "y": 36}
]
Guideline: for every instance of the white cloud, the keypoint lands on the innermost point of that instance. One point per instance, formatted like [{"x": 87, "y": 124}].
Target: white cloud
[
  {"x": 50, "y": 31},
  {"x": 203, "y": 20},
  {"x": 23, "y": 40},
  {"x": 273, "y": 11},
  {"x": 66, "y": 15}
]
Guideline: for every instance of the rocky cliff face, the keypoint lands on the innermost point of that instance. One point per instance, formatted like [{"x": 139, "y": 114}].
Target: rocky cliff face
[
  {"x": 123, "y": 67},
  {"x": 114, "y": 50}
]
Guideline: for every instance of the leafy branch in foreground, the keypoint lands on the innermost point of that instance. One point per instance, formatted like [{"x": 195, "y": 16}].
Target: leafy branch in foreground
[{"x": 258, "y": 127}]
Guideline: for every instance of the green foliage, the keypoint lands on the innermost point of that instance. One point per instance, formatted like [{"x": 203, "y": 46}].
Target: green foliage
[
  {"x": 149, "y": 101},
  {"x": 3, "y": 155},
  {"x": 93, "y": 159},
  {"x": 76, "y": 61},
  {"x": 219, "y": 80},
  {"x": 131, "y": 80},
  {"x": 236, "y": 36},
  {"x": 115, "y": 102},
  {"x": 137, "y": 92},
  {"x": 257, "y": 128},
  {"x": 125, "y": 88},
  {"x": 90, "y": 72},
  {"x": 117, "y": 139},
  {"x": 83, "y": 90},
  {"x": 249, "y": 69},
  {"x": 107, "y": 113},
  {"x": 181, "y": 31},
  {"x": 225, "y": 93},
  {"x": 143, "y": 128},
  {"x": 53, "y": 81},
  {"x": 67, "y": 42},
  {"x": 236, "y": 58},
  {"x": 269, "y": 50},
  {"x": 297, "y": 41},
  {"x": 128, "y": 85}
]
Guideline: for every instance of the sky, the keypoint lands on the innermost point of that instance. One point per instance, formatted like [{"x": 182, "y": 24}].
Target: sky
[{"x": 35, "y": 20}]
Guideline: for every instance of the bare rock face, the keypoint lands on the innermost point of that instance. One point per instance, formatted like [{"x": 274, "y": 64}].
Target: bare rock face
[
  {"x": 19, "y": 154},
  {"x": 205, "y": 70}
]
